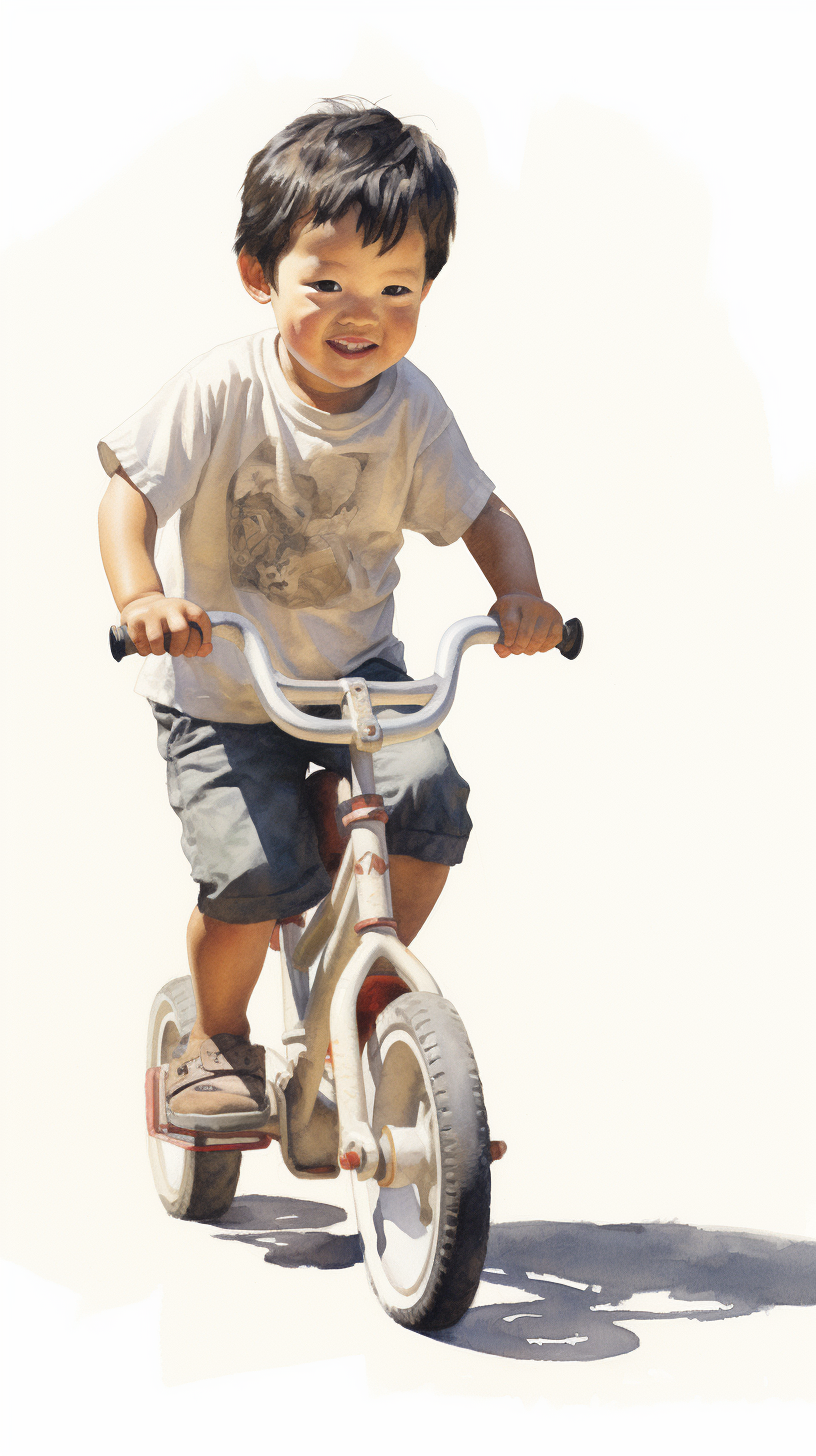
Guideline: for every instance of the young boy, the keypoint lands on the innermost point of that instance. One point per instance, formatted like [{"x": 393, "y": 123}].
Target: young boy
[{"x": 283, "y": 469}]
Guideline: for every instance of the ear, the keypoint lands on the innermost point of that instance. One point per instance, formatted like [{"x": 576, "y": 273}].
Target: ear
[
  {"x": 253, "y": 278},
  {"x": 426, "y": 290}
]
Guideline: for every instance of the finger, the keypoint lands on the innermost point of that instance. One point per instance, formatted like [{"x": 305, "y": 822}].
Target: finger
[
  {"x": 138, "y": 636},
  {"x": 198, "y": 618},
  {"x": 542, "y": 638},
  {"x": 200, "y": 648},
  {"x": 509, "y": 620},
  {"x": 556, "y": 631},
  {"x": 547, "y": 635},
  {"x": 524, "y": 636},
  {"x": 194, "y": 640},
  {"x": 179, "y": 629},
  {"x": 154, "y": 631},
  {"x": 524, "y": 622}
]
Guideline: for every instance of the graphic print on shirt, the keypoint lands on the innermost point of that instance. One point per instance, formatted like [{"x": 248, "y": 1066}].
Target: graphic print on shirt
[{"x": 287, "y": 532}]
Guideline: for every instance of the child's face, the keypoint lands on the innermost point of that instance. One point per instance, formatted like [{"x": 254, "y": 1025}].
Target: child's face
[{"x": 346, "y": 312}]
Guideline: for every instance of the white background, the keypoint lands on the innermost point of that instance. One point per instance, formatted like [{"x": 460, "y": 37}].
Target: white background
[{"x": 625, "y": 333}]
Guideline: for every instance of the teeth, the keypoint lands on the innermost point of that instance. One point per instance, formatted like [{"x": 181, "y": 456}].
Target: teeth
[{"x": 352, "y": 348}]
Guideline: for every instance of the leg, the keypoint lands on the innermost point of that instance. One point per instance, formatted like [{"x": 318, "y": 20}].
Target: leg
[
  {"x": 416, "y": 885},
  {"x": 218, "y": 1074},
  {"x": 225, "y": 963},
  {"x": 415, "y": 888},
  {"x": 238, "y": 790}
]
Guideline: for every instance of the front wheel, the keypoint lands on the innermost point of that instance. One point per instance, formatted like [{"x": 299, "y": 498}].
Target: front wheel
[
  {"x": 424, "y": 1236},
  {"x": 190, "y": 1185}
]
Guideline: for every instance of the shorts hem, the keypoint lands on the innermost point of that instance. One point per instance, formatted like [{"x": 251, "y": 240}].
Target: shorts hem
[
  {"x": 442, "y": 849},
  {"x": 255, "y": 909}
]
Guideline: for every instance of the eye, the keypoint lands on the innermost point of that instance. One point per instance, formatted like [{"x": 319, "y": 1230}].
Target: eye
[
  {"x": 326, "y": 285},
  {"x": 396, "y": 290}
]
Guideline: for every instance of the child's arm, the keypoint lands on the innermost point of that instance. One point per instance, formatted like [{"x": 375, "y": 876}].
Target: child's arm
[
  {"x": 502, "y": 552},
  {"x": 127, "y": 534}
]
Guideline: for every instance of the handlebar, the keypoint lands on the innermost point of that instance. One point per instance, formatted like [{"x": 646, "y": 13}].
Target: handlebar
[{"x": 432, "y": 695}]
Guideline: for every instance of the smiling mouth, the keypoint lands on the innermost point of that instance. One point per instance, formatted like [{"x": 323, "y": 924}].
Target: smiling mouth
[{"x": 351, "y": 348}]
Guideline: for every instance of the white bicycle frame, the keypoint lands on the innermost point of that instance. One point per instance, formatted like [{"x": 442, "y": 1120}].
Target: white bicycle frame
[{"x": 325, "y": 965}]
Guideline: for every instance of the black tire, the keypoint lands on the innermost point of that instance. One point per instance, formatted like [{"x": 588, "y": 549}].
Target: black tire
[
  {"x": 425, "y": 1243},
  {"x": 190, "y": 1185}
]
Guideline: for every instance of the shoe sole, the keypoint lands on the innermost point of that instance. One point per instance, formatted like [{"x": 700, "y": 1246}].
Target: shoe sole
[{"x": 219, "y": 1121}]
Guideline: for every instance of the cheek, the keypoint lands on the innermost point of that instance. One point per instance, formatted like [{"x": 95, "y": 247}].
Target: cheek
[
  {"x": 404, "y": 325},
  {"x": 304, "y": 324}
]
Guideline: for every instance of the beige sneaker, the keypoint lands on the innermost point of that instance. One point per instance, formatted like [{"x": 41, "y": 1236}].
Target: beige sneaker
[{"x": 221, "y": 1089}]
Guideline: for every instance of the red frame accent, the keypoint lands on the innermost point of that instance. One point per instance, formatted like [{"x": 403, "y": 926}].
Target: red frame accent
[
  {"x": 358, "y": 816},
  {"x": 152, "y": 1100},
  {"x": 362, "y": 807},
  {"x": 375, "y": 994}
]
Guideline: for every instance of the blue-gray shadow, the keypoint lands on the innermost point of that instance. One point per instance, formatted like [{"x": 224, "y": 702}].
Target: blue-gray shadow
[
  {"x": 291, "y": 1231},
  {"x": 577, "y": 1274},
  {"x": 576, "y": 1271}
]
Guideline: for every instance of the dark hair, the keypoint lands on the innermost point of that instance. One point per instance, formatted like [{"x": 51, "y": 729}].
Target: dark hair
[{"x": 322, "y": 163}]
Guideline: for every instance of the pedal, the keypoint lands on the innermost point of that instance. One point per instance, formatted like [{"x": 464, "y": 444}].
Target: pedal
[{"x": 195, "y": 1142}]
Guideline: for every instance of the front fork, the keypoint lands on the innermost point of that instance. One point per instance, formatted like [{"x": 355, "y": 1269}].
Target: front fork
[
  {"x": 358, "y": 1146},
  {"x": 359, "y": 930},
  {"x": 366, "y": 818}
]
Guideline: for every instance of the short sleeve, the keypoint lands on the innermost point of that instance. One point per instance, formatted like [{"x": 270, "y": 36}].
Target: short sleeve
[
  {"x": 448, "y": 489},
  {"x": 164, "y": 446}
]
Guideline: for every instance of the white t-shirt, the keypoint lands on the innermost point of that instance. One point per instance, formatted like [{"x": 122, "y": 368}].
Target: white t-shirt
[{"x": 288, "y": 515}]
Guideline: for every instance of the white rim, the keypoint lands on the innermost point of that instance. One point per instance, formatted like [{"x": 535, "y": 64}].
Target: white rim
[{"x": 400, "y": 1226}]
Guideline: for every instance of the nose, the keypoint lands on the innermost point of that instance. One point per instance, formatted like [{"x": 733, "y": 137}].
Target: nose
[{"x": 358, "y": 310}]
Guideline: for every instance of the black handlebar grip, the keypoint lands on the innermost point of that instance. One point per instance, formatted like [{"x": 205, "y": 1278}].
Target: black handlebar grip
[
  {"x": 121, "y": 643},
  {"x": 572, "y": 640}
]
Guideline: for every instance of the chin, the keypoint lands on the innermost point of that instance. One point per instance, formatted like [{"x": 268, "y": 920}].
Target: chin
[{"x": 351, "y": 377}]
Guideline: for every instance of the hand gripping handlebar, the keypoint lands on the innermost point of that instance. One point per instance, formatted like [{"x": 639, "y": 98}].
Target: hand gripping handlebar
[{"x": 432, "y": 695}]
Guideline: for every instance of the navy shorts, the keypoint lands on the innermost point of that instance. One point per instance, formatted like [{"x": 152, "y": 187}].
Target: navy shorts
[{"x": 238, "y": 789}]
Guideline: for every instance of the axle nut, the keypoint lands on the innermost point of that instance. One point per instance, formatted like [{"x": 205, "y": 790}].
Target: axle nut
[{"x": 349, "y": 1161}]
